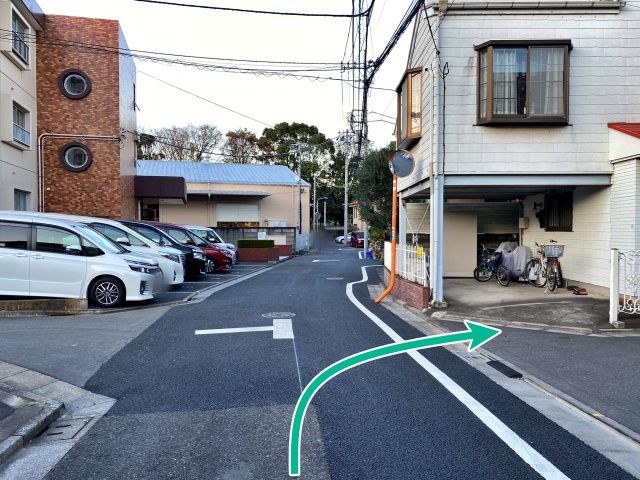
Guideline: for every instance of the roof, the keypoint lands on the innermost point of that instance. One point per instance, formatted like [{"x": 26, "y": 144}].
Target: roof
[
  {"x": 233, "y": 173},
  {"x": 632, "y": 129}
]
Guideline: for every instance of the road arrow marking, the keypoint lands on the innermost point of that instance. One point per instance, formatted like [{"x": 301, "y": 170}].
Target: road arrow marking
[
  {"x": 476, "y": 334},
  {"x": 323, "y": 261},
  {"x": 281, "y": 329}
]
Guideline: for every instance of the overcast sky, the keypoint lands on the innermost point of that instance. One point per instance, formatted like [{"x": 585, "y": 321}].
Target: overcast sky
[{"x": 238, "y": 35}]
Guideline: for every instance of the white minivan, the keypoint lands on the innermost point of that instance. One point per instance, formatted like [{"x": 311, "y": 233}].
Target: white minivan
[
  {"x": 47, "y": 257},
  {"x": 170, "y": 260}
]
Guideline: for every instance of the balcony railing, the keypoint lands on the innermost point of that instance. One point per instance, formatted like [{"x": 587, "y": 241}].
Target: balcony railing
[
  {"x": 412, "y": 262},
  {"x": 21, "y": 135},
  {"x": 20, "y": 47}
]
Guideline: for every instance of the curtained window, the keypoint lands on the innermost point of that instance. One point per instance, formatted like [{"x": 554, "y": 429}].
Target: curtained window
[{"x": 523, "y": 81}]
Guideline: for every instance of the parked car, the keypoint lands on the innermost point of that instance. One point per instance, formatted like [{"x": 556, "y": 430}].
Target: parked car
[
  {"x": 211, "y": 236},
  {"x": 170, "y": 260},
  {"x": 340, "y": 238},
  {"x": 357, "y": 239},
  {"x": 195, "y": 258},
  {"x": 48, "y": 257},
  {"x": 216, "y": 258}
]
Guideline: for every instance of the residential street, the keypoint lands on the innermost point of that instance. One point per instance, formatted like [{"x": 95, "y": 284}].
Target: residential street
[{"x": 219, "y": 406}]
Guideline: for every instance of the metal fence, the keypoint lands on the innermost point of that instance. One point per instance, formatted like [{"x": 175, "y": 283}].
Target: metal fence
[
  {"x": 624, "y": 294},
  {"x": 412, "y": 262}
]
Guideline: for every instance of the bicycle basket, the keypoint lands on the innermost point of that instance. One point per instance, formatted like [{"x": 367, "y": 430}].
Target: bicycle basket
[{"x": 553, "y": 250}]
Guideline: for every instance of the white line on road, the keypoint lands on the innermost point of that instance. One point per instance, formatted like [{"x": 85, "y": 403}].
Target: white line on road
[
  {"x": 281, "y": 329},
  {"x": 508, "y": 436},
  {"x": 324, "y": 261}
]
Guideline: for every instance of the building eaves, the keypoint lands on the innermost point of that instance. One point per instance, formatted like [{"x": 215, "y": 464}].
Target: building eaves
[
  {"x": 32, "y": 12},
  {"x": 530, "y": 5},
  {"x": 632, "y": 129}
]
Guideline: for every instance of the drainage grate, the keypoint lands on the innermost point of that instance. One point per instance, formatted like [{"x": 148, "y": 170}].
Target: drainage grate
[
  {"x": 65, "y": 429},
  {"x": 504, "y": 369},
  {"x": 279, "y": 315}
]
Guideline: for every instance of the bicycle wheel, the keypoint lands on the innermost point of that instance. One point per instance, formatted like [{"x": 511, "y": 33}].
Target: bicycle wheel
[
  {"x": 483, "y": 272},
  {"x": 552, "y": 277},
  {"x": 535, "y": 273},
  {"x": 503, "y": 276}
]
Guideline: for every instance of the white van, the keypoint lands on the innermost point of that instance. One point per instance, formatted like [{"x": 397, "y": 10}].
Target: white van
[
  {"x": 46, "y": 257},
  {"x": 170, "y": 260}
]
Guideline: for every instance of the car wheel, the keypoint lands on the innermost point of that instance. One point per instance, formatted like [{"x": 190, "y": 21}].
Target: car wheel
[
  {"x": 107, "y": 292},
  {"x": 210, "y": 265}
]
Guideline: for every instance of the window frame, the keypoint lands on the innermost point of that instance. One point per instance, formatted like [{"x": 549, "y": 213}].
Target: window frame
[
  {"x": 55, "y": 228},
  {"x": 63, "y": 89},
  {"x": 527, "y": 118},
  {"x": 26, "y": 226},
  {"x": 25, "y": 130},
  {"x": 19, "y": 38},
  {"x": 409, "y": 139},
  {"x": 557, "y": 197},
  {"x": 23, "y": 195},
  {"x": 63, "y": 153}
]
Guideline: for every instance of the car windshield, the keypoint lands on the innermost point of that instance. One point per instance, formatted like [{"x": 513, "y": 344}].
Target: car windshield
[
  {"x": 359, "y": 234},
  {"x": 207, "y": 234},
  {"x": 100, "y": 240},
  {"x": 156, "y": 236}
]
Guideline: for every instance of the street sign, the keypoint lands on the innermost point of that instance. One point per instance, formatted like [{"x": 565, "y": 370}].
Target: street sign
[{"x": 401, "y": 163}]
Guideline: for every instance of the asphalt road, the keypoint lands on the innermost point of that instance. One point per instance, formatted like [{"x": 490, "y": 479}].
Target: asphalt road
[{"x": 219, "y": 406}]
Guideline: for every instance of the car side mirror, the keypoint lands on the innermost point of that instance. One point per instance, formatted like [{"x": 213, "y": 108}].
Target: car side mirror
[
  {"x": 74, "y": 249},
  {"x": 123, "y": 241}
]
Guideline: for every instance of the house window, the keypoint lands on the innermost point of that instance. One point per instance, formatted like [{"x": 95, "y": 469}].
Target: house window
[
  {"x": 76, "y": 157},
  {"x": 20, "y": 200},
  {"x": 409, "y": 123},
  {"x": 74, "y": 84},
  {"x": 21, "y": 132},
  {"x": 558, "y": 212},
  {"x": 19, "y": 34},
  {"x": 523, "y": 81}
]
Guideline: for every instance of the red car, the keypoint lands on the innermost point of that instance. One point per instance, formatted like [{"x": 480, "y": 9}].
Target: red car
[
  {"x": 357, "y": 239},
  {"x": 216, "y": 258}
]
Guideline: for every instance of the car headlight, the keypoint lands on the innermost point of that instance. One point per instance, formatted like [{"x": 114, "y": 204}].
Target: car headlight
[
  {"x": 198, "y": 255},
  {"x": 141, "y": 268},
  {"x": 171, "y": 256}
]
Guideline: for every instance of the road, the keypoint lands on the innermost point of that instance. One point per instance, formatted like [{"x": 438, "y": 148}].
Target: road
[{"x": 218, "y": 406}]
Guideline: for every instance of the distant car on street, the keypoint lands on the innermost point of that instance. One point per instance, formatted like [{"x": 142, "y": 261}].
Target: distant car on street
[
  {"x": 357, "y": 239},
  {"x": 340, "y": 238}
]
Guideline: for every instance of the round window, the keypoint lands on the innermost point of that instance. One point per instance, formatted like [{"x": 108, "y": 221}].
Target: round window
[
  {"x": 74, "y": 84},
  {"x": 76, "y": 157}
]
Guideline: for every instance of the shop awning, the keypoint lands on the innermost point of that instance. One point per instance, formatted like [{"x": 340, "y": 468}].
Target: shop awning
[{"x": 160, "y": 187}]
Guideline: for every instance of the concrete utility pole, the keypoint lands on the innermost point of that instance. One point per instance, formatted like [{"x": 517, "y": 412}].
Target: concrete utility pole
[
  {"x": 298, "y": 155},
  {"x": 315, "y": 204}
]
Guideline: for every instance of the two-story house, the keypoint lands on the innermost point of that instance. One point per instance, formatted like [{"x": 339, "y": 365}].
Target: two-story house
[
  {"x": 20, "y": 20},
  {"x": 506, "y": 107}
]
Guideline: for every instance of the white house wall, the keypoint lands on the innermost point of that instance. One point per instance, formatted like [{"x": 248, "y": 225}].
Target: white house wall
[
  {"x": 625, "y": 205},
  {"x": 587, "y": 248}
]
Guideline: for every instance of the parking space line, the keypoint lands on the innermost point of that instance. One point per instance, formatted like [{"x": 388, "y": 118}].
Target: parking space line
[
  {"x": 281, "y": 329},
  {"x": 521, "y": 448}
]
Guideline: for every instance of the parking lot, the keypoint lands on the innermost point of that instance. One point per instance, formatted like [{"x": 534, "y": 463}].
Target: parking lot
[{"x": 191, "y": 286}]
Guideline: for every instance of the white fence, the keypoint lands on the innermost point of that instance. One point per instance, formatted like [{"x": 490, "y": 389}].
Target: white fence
[
  {"x": 624, "y": 294},
  {"x": 412, "y": 262}
]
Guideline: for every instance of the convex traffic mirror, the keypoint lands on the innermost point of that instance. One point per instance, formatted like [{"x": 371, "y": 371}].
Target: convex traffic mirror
[{"x": 401, "y": 163}]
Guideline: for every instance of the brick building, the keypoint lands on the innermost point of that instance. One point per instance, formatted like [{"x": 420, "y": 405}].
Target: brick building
[{"x": 86, "y": 113}]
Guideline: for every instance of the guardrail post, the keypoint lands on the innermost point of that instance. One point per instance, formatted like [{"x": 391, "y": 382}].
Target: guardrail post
[{"x": 614, "y": 289}]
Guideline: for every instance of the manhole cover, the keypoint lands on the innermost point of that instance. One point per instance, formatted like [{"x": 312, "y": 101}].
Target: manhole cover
[
  {"x": 279, "y": 315},
  {"x": 65, "y": 429}
]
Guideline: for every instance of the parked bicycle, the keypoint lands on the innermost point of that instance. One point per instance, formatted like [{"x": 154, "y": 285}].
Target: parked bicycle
[
  {"x": 490, "y": 267},
  {"x": 544, "y": 270}
]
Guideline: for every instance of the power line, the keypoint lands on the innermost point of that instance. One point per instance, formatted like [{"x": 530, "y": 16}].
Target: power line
[
  {"x": 263, "y": 12},
  {"x": 206, "y": 99}
]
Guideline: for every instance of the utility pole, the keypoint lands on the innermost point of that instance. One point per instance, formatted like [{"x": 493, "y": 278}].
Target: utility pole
[
  {"x": 299, "y": 203},
  {"x": 315, "y": 204}
]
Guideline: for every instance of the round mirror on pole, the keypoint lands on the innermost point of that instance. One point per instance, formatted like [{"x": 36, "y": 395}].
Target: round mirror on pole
[{"x": 401, "y": 163}]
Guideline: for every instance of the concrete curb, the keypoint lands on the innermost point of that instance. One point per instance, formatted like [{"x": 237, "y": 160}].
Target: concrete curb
[{"x": 50, "y": 412}]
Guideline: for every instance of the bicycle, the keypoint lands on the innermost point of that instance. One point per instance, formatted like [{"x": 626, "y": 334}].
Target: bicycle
[
  {"x": 489, "y": 268},
  {"x": 544, "y": 270}
]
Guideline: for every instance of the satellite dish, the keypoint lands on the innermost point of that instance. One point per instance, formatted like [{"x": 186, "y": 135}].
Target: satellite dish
[{"x": 401, "y": 163}]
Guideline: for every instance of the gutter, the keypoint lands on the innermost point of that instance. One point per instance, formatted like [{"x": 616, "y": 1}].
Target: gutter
[
  {"x": 42, "y": 137},
  {"x": 445, "y": 5}
]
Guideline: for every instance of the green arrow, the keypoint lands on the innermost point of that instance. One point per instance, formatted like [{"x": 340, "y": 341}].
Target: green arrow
[{"x": 476, "y": 334}]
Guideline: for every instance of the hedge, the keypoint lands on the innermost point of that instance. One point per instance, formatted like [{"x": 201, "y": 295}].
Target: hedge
[{"x": 255, "y": 243}]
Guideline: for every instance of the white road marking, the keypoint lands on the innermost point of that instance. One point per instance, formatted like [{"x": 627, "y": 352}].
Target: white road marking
[
  {"x": 540, "y": 464},
  {"x": 324, "y": 261},
  {"x": 335, "y": 278},
  {"x": 522, "y": 305},
  {"x": 281, "y": 329}
]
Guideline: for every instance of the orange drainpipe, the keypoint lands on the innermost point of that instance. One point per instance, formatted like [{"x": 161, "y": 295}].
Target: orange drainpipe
[{"x": 394, "y": 236}]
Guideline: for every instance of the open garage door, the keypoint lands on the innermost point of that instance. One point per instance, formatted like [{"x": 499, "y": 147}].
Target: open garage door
[{"x": 238, "y": 215}]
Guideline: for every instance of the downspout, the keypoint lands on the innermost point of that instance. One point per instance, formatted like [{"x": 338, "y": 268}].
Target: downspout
[
  {"x": 394, "y": 241},
  {"x": 42, "y": 137}
]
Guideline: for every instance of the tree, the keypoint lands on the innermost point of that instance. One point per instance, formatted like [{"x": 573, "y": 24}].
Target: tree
[
  {"x": 373, "y": 188},
  {"x": 243, "y": 146},
  {"x": 145, "y": 146},
  {"x": 190, "y": 143}
]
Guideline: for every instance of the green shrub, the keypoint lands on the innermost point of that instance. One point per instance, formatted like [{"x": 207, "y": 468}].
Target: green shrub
[{"x": 246, "y": 243}]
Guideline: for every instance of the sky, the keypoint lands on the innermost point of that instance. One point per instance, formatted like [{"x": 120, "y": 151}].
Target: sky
[{"x": 270, "y": 100}]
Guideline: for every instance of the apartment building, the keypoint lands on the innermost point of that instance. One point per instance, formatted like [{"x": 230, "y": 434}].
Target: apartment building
[
  {"x": 512, "y": 111},
  {"x": 20, "y": 21}
]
